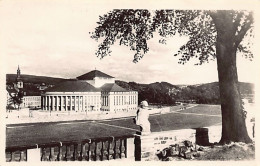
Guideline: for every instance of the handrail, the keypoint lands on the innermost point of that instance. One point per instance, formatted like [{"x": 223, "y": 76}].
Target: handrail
[
  {"x": 101, "y": 148},
  {"x": 58, "y": 143}
]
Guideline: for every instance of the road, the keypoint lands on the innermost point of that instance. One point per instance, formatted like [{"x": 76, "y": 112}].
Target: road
[{"x": 31, "y": 134}]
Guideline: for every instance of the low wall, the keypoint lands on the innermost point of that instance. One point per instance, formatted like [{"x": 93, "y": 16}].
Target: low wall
[{"x": 159, "y": 140}]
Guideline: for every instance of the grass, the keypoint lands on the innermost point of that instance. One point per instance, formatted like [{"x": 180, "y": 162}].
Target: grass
[
  {"x": 56, "y": 132},
  {"x": 205, "y": 109}
]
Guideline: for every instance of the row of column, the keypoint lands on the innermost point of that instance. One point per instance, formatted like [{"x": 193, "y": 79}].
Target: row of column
[
  {"x": 122, "y": 100},
  {"x": 105, "y": 101},
  {"x": 63, "y": 103}
]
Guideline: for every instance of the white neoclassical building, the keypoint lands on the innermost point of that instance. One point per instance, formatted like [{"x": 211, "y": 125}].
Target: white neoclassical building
[{"x": 92, "y": 92}]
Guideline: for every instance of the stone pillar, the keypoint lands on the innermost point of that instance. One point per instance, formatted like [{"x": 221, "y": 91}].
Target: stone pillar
[
  {"x": 130, "y": 148},
  {"x": 56, "y": 103},
  {"x": 75, "y": 104},
  {"x": 87, "y": 98},
  {"x": 43, "y": 102},
  {"x": 81, "y": 98},
  {"x": 79, "y": 103},
  {"x": 59, "y": 102},
  {"x": 83, "y": 102},
  {"x": 51, "y": 103},
  {"x": 70, "y": 103},
  {"x": 34, "y": 155},
  {"x": 108, "y": 101},
  {"x": 65, "y": 97},
  {"x": 47, "y": 104},
  {"x": 65, "y": 102}
]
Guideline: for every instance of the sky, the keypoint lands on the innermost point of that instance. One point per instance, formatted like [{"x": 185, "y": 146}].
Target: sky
[{"x": 51, "y": 38}]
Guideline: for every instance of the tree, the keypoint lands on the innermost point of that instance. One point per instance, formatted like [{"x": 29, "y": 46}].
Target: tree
[
  {"x": 16, "y": 99},
  {"x": 212, "y": 34}
]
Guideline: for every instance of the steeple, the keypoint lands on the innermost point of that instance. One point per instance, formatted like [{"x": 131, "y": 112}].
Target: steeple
[
  {"x": 18, "y": 76},
  {"x": 19, "y": 82}
]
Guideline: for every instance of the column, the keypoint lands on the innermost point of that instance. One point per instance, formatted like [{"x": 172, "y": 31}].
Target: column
[
  {"x": 65, "y": 97},
  {"x": 75, "y": 103},
  {"x": 79, "y": 103},
  {"x": 76, "y": 108},
  {"x": 56, "y": 103},
  {"x": 83, "y": 102},
  {"x": 47, "y": 102},
  {"x": 108, "y": 104},
  {"x": 70, "y": 102},
  {"x": 45, "y": 105},
  {"x": 52, "y": 103},
  {"x": 59, "y": 102},
  {"x": 87, "y": 98},
  {"x": 43, "y": 102}
]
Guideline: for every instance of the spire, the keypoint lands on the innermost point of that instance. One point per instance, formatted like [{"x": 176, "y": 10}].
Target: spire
[
  {"x": 19, "y": 82},
  {"x": 18, "y": 76}
]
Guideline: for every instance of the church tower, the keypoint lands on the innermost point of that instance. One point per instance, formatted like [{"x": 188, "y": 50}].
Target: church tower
[{"x": 19, "y": 81}]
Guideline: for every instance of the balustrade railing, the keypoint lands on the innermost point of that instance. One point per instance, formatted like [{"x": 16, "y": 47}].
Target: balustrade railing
[{"x": 96, "y": 149}]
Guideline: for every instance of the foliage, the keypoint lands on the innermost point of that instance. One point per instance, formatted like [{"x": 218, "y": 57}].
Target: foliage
[
  {"x": 133, "y": 28},
  {"x": 16, "y": 99},
  {"x": 166, "y": 93}
]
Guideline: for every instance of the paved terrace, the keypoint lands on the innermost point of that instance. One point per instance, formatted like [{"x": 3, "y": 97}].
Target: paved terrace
[{"x": 36, "y": 116}]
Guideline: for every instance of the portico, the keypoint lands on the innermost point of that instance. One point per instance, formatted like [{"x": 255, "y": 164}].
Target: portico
[
  {"x": 93, "y": 91},
  {"x": 71, "y": 102}
]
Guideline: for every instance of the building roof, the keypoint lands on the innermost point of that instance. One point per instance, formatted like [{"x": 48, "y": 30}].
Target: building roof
[
  {"x": 112, "y": 87},
  {"x": 91, "y": 75},
  {"x": 73, "y": 86}
]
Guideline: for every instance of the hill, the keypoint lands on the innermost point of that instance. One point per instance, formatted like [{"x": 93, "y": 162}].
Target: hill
[
  {"x": 166, "y": 93},
  {"x": 10, "y": 78},
  {"x": 157, "y": 93}
]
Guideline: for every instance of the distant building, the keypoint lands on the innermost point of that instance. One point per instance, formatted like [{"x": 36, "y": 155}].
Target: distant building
[
  {"x": 30, "y": 99},
  {"x": 31, "y": 102},
  {"x": 92, "y": 92}
]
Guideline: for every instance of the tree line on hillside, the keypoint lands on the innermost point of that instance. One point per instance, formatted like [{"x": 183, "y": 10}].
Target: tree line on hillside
[
  {"x": 162, "y": 93},
  {"x": 167, "y": 94}
]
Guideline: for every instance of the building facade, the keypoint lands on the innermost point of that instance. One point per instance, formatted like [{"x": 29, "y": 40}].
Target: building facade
[
  {"x": 91, "y": 92},
  {"x": 31, "y": 102}
]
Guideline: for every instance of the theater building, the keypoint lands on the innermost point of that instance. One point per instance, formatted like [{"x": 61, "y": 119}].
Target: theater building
[{"x": 92, "y": 92}]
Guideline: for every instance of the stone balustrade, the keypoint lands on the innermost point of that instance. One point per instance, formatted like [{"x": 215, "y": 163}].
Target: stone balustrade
[{"x": 97, "y": 149}]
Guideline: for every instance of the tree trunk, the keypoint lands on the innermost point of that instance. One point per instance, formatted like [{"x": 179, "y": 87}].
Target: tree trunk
[{"x": 233, "y": 117}]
